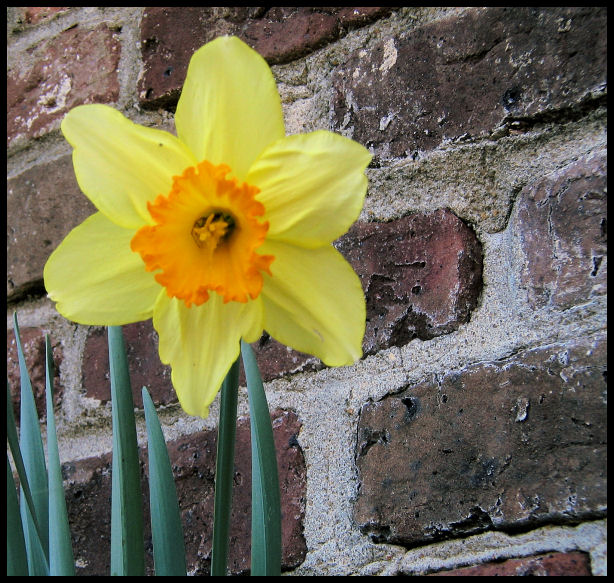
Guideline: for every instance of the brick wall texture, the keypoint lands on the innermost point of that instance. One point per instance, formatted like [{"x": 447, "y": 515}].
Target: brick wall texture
[{"x": 478, "y": 412}]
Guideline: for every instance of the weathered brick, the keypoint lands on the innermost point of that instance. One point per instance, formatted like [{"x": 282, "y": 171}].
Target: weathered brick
[
  {"x": 505, "y": 444},
  {"x": 274, "y": 360},
  {"x": 285, "y": 34},
  {"x": 143, "y": 362},
  {"x": 193, "y": 461},
  {"x": 280, "y": 34},
  {"x": 166, "y": 54},
  {"x": 78, "y": 66},
  {"x": 38, "y": 14},
  {"x": 551, "y": 564},
  {"x": 43, "y": 204},
  {"x": 87, "y": 485},
  {"x": 561, "y": 222},
  {"x": 194, "y": 457},
  {"x": 33, "y": 345},
  {"x": 422, "y": 276},
  {"x": 467, "y": 74}
]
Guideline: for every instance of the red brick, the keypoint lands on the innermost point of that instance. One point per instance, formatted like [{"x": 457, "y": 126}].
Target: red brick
[
  {"x": 422, "y": 276},
  {"x": 87, "y": 485},
  {"x": 573, "y": 564},
  {"x": 469, "y": 73},
  {"x": 193, "y": 459},
  {"x": 43, "y": 204},
  {"x": 78, "y": 66},
  {"x": 166, "y": 54},
  {"x": 518, "y": 442},
  {"x": 280, "y": 34},
  {"x": 193, "y": 462},
  {"x": 33, "y": 345},
  {"x": 143, "y": 362},
  {"x": 286, "y": 34},
  {"x": 37, "y": 14},
  {"x": 276, "y": 360},
  {"x": 561, "y": 223}
]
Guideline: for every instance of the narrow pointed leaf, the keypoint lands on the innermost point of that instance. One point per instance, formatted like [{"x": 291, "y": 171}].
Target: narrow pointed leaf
[
  {"x": 11, "y": 433},
  {"x": 36, "y": 532},
  {"x": 127, "y": 544},
  {"x": 16, "y": 559},
  {"x": 224, "y": 470},
  {"x": 266, "y": 511},
  {"x": 26, "y": 496},
  {"x": 166, "y": 529},
  {"x": 61, "y": 558},
  {"x": 38, "y": 562}
]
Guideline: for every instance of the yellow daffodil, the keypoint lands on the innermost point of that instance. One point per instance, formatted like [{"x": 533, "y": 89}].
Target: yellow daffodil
[{"x": 219, "y": 233}]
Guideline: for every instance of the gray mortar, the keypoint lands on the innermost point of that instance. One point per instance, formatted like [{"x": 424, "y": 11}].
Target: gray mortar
[{"x": 478, "y": 181}]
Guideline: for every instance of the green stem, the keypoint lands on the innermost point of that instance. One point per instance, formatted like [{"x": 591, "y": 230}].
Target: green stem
[
  {"x": 266, "y": 505},
  {"x": 224, "y": 470},
  {"x": 127, "y": 543}
]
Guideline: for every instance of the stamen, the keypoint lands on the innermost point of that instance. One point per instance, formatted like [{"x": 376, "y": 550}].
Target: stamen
[
  {"x": 211, "y": 230},
  {"x": 205, "y": 236}
]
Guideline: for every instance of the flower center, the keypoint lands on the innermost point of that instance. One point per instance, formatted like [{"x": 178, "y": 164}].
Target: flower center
[
  {"x": 210, "y": 230},
  {"x": 204, "y": 237}
]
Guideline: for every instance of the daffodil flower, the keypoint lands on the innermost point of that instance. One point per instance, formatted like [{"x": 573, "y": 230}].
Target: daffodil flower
[{"x": 219, "y": 233}]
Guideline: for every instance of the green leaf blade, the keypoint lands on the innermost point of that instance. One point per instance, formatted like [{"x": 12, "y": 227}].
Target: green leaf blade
[
  {"x": 224, "y": 470},
  {"x": 266, "y": 505},
  {"x": 16, "y": 558},
  {"x": 127, "y": 542},
  {"x": 35, "y": 526},
  {"x": 61, "y": 558},
  {"x": 166, "y": 528},
  {"x": 11, "y": 433}
]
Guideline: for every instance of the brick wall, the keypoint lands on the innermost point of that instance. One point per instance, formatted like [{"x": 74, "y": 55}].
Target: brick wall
[{"x": 471, "y": 438}]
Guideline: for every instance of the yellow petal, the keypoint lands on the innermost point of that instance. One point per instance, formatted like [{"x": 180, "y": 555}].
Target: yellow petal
[
  {"x": 96, "y": 279},
  {"x": 314, "y": 303},
  {"x": 120, "y": 165},
  {"x": 201, "y": 343},
  {"x": 229, "y": 109},
  {"x": 312, "y": 186}
]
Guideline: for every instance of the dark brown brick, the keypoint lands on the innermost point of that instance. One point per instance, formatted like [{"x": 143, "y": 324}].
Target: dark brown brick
[
  {"x": 467, "y": 74},
  {"x": 43, "y": 204},
  {"x": 144, "y": 364},
  {"x": 513, "y": 443},
  {"x": 284, "y": 34},
  {"x": 276, "y": 360},
  {"x": 193, "y": 463},
  {"x": 194, "y": 458},
  {"x": 79, "y": 66},
  {"x": 166, "y": 54},
  {"x": 279, "y": 34},
  {"x": 551, "y": 564},
  {"x": 33, "y": 345},
  {"x": 422, "y": 276},
  {"x": 562, "y": 226},
  {"x": 87, "y": 485}
]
